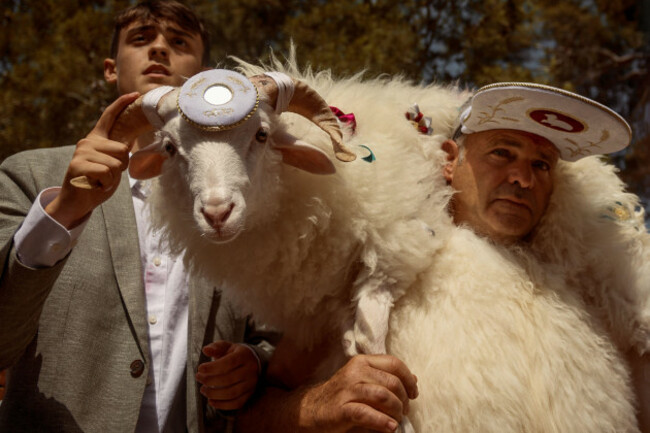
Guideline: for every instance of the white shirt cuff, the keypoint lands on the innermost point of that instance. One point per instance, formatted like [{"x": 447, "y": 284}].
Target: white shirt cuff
[{"x": 41, "y": 241}]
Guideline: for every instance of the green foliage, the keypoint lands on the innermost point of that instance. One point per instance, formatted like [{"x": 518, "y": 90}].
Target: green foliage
[
  {"x": 52, "y": 86},
  {"x": 51, "y": 72},
  {"x": 374, "y": 36}
]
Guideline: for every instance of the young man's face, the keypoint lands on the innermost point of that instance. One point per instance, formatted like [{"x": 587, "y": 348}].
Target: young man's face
[
  {"x": 153, "y": 54},
  {"x": 503, "y": 183}
]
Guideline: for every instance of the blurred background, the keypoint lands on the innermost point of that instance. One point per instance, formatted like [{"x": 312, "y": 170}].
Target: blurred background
[{"x": 52, "y": 88}]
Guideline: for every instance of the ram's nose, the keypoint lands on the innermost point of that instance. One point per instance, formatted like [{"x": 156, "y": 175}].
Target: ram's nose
[{"x": 217, "y": 215}]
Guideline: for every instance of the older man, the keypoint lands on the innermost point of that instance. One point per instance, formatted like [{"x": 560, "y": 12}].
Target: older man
[
  {"x": 513, "y": 135},
  {"x": 502, "y": 164}
]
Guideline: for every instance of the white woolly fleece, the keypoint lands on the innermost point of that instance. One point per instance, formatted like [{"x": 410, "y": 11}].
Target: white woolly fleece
[
  {"x": 508, "y": 347},
  {"x": 501, "y": 340}
]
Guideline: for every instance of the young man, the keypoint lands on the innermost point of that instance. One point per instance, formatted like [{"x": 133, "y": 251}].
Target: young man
[
  {"x": 105, "y": 333},
  {"x": 102, "y": 333}
]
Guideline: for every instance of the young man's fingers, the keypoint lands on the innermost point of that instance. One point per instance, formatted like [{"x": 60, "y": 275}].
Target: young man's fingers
[
  {"x": 102, "y": 151},
  {"x": 242, "y": 373},
  {"x": 107, "y": 119},
  {"x": 234, "y": 358},
  {"x": 101, "y": 175},
  {"x": 217, "y": 349},
  {"x": 234, "y": 404},
  {"x": 228, "y": 393}
]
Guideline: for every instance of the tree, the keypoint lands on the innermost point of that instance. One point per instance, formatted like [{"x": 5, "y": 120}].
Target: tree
[
  {"x": 52, "y": 51},
  {"x": 51, "y": 71}
]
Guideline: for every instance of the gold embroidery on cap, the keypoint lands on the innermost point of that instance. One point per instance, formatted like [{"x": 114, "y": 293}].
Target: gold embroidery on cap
[
  {"x": 237, "y": 81},
  {"x": 218, "y": 112},
  {"x": 603, "y": 137},
  {"x": 485, "y": 117},
  {"x": 578, "y": 150},
  {"x": 197, "y": 83}
]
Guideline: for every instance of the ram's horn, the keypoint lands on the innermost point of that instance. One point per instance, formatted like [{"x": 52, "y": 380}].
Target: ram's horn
[
  {"x": 309, "y": 104},
  {"x": 129, "y": 125}
]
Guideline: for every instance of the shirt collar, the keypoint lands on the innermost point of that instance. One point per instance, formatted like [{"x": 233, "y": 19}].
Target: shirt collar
[{"x": 140, "y": 188}]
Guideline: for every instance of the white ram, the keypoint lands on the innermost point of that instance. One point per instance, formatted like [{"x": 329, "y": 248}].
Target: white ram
[{"x": 502, "y": 340}]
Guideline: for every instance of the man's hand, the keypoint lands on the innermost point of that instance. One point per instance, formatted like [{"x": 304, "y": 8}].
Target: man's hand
[
  {"x": 370, "y": 392},
  {"x": 230, "y": 378},
  {"x": 99, "y": 159}
]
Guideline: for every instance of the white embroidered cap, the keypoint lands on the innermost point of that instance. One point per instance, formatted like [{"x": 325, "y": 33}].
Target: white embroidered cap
[
  {"x": 217, "y": 99},
  {"x": 576, "y": 125}
]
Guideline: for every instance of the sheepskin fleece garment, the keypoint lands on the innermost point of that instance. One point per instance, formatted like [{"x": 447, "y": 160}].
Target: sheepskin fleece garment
[
  {"x": 594, "y": 231},
  {"x": 531, "y": 338},
  {"x": 500, "y": 344}
]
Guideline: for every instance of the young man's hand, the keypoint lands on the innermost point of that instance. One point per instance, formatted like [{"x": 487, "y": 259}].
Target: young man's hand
[
  {"x": 101, "y": 160},
  {"x": 231, "y": 377}
]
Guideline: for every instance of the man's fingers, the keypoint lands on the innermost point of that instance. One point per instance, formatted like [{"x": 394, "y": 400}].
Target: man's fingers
[
  {"x": 394, "y": 366},
  {"x": 364, "y": 416},
  {"x": 107, "y": 119},
  {"x": 234, "y": 358},
  {"x": 219, "y": 377},
  {"x": 99, "y": 160},
  {"x": 103, "y": 151},
  {"x": 217, "y": 349},
  {"x": 228, "y": 393},
  {"x": 234, "y": 404},
  {"x": 381, "y": 399}
]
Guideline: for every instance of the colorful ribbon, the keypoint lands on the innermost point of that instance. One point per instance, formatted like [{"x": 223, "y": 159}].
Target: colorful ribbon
[
  {"x": 350, "y": 120},
  {"x": 347, "y": 119},
  {"x": 421, "y": 123}
]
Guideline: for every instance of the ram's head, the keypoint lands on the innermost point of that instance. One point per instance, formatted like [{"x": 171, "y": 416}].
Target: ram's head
[{"x": 212, "y": 133}]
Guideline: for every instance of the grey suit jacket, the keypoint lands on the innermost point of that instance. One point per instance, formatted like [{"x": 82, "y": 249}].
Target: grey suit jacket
[{"x": 75, "y": 334}]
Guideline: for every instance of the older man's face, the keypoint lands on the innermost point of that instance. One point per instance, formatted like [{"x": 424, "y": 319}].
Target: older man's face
[{"x": 503, "y": 182}]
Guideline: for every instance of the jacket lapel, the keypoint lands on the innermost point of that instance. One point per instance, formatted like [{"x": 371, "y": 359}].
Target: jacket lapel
[
  {"x": 203, "y": 303},
  {"x": 121, "y": 229}
]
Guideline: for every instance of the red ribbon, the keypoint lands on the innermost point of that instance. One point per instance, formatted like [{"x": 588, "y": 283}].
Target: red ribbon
[{"x": 348, "y": 119}]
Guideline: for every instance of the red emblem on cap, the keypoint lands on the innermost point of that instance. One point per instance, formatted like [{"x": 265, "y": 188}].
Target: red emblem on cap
[{"x": 557, "y": 121}]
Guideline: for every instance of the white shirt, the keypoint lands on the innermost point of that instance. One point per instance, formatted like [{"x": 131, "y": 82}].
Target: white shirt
[{"x": 42, "y": 242}]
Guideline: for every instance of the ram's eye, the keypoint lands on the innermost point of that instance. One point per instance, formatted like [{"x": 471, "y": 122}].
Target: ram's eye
[
  {"x": 262, "y": 135},
  {"x": 169, "y": 147}
]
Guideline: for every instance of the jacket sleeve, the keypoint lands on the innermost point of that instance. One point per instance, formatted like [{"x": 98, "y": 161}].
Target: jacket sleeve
[{"x": 23, "y": 290}]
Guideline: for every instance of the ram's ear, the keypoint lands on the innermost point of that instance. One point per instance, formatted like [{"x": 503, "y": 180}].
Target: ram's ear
[
  {"x": 147, "y": 162},
  {"x": 302, "y": 155}
]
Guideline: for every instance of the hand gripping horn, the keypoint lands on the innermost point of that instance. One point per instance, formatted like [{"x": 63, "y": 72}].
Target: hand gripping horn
[{"x": 136, "y": 119}]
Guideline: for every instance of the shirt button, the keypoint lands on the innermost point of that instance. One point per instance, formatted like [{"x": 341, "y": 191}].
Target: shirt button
[
  {"x": 153, "y": 320},
  {"x": 137, "y": 368},
  {"x": 157, "y": 261}
]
